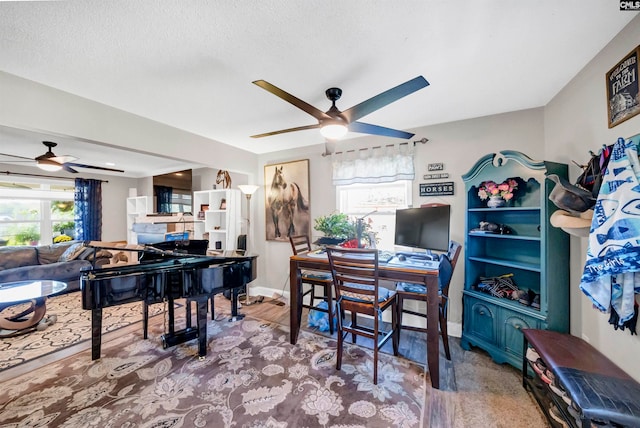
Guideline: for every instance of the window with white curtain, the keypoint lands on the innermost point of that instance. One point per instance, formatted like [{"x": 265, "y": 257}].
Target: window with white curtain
[
  {"x": 380, "y": 201},
  {"x": 375, "y": 183}
]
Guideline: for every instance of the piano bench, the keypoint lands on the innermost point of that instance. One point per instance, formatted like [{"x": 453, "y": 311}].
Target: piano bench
[{"x": 188, "y": 314}]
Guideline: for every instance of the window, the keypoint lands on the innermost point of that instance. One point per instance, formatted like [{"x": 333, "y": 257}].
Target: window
[
  {"x": 181, "y": 201},
  {"x": 35, "y": 213},
  {"x": 379, "y": 201}
]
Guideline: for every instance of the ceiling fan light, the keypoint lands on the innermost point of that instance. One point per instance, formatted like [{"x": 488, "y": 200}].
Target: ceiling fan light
[
  {"x": 49, "y": 166},
  {"x": 333, "y": 131}
]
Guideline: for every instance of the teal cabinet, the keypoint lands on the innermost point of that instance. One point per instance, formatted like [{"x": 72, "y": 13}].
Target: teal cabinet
[{"x": 526, "y": 247}]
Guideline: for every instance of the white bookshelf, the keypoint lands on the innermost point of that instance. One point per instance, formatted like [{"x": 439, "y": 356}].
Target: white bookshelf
[
  {"x": 221, "y": 224},
  {"x": 137, "y": 206}
]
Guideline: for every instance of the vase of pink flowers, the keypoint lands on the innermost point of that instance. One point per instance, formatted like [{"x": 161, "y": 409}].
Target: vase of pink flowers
[{"x": 497, "y": 195}]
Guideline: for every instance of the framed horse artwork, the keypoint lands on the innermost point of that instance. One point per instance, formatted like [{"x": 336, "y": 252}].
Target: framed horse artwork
[{"x": 287, "y": 200}]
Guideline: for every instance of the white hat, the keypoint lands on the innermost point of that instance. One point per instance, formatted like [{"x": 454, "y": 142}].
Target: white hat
[{"x": 577, "y": 225}]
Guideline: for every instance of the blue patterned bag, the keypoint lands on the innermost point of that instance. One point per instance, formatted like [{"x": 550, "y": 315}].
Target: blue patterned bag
[{"x": 320, "y": 319}]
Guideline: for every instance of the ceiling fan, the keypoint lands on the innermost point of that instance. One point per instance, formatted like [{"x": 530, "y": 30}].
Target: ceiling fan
[
  {"x": 50, "y": 162},
  {"x": 334, "y": 123}
]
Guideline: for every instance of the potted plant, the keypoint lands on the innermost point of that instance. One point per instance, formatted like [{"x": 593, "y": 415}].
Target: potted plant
[
  {"x": 336, "y": 228},
  {"x": 27, "y": 236},
  {"x": 65, "y": 228}
]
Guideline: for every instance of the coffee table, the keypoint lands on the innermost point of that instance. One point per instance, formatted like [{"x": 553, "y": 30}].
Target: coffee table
[{"x": 33, "y": 317}]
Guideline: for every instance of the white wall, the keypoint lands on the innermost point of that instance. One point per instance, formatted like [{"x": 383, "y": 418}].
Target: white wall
[
  {"x": 576, "y": 122},
  {"x": 457, "y": 144},
  {"x": 41, "y": 108}
]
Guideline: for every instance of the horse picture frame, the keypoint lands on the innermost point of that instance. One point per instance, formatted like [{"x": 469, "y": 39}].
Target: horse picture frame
[{"x": 287, "y": 211}]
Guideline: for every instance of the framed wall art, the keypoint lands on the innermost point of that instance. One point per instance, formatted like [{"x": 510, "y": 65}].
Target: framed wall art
[
  {"x": 623, "y": 97},
  {"x": 287, "y": 200}
]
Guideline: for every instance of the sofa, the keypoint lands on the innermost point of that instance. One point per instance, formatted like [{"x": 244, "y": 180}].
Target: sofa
[{"x": 60, "y": 262}]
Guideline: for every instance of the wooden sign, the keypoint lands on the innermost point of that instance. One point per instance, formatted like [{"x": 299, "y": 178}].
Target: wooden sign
[
  {"x": 444, "y": 188},
  {"x": 623, "y": 97},
  {"x": 435, "y": 166},
  {"x": 435, "y": 176}
]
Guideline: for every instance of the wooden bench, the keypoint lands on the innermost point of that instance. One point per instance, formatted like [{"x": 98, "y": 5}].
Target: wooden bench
[{"x": 602, "y": 392}]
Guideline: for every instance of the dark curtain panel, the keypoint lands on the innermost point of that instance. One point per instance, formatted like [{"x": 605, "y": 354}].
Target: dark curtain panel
[
  {"x": 88, "y": 209},
  {"x": 164, "y": 195}
]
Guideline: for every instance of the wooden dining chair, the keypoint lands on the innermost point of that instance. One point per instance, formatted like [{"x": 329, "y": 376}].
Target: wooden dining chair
[
  {"x": 407, "y": 291},
  {"x": 300, "y": 244},
  {"x": 355, "y": 279}
]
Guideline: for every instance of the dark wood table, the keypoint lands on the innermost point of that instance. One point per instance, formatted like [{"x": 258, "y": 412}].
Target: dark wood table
[{"x": 386, "y": 272}]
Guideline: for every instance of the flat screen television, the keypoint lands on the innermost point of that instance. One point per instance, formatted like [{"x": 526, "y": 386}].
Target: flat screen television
[{"x": 425, "y": 228}]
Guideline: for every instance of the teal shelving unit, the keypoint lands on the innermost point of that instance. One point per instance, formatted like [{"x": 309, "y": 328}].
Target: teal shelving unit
[{"x": 536, "y": 253}]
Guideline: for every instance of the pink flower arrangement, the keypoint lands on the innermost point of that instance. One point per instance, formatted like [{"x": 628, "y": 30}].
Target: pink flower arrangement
[{"x": 503, "y": 190}]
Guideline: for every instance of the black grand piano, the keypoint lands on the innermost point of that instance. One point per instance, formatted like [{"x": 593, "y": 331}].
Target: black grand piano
[{"x": 167, "y": 271}]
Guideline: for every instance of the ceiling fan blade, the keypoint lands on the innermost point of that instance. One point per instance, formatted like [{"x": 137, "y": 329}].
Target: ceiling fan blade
[
  {"x": 64, "y": 159},
  {"x": 283, "y": 131},
  {"x": 67, "y": 168},
  {"x": 384, "y": 98},
  {"x": 16, "y": 156},
  {"x": 367, "y": 128},
  {"x": 79, "y": 165},
  {"x": 318, "y": 114}
]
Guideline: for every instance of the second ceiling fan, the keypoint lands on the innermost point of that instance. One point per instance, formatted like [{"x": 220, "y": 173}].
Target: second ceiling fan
[
  {"x": 50, "y": 162},
  {"x": 334, "y": 123}
]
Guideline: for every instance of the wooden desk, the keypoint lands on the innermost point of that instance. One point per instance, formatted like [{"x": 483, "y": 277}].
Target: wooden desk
[{"x": 386, "y": 272}]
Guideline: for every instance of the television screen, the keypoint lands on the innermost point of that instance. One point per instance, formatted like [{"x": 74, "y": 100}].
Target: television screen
[{"x": 425, "y": 227}]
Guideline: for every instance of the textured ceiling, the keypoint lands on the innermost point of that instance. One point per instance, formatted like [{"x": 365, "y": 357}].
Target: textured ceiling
[{"x": 190, "y": 64}]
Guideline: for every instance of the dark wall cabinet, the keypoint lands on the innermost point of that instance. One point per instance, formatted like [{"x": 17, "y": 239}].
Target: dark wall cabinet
[{"x": 534, "y": 254}]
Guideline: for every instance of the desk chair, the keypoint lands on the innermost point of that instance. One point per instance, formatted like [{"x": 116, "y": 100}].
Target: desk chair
[
  {"x": 355, "y": 279},
  {"x": 419, "y": 292},
  {"x": 300, "y": 244}
]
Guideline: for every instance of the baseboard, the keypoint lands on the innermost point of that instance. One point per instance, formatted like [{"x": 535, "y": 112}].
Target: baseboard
[
  {"x": 268, "y": 292},
  {"x": 454, "y": 329}
]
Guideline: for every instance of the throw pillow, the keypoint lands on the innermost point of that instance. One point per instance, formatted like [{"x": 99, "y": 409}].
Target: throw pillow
[
  {"x": 100, "y": 254},
  {"x": 48, "y": 254},
  {"x": 72, "y": 252}
]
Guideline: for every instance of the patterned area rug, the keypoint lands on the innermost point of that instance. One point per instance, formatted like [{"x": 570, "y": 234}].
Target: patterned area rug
[
  {"x": 73, "y": 326},
  {"x": 251, "y": 377}
]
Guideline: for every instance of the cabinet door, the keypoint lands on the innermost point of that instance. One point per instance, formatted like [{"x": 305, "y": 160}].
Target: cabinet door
[
  {"x": 480, "y": 319},
  {"x": 512, "y": 325}
]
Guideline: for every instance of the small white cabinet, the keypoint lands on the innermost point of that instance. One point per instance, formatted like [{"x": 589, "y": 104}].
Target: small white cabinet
[
  {"x": 220, "y": 215},
  {"x": 137, "y": 206}
]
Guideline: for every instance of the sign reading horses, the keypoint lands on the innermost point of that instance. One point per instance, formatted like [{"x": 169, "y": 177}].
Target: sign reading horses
[
  {"x": 444, "y": 188},
  {"x": 287, "y": 200}
]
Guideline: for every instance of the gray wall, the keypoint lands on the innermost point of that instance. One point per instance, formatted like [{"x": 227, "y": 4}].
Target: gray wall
[{"x": 575, "y": 121}]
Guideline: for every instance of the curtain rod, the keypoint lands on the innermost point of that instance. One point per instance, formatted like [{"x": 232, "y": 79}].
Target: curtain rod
[
  {"x": 421, "y": 141},
  {"x": 24, "y": 174}
]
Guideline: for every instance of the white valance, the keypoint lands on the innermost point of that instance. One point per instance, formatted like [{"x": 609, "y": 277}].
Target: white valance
[{"x": 374, "y": 165}]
